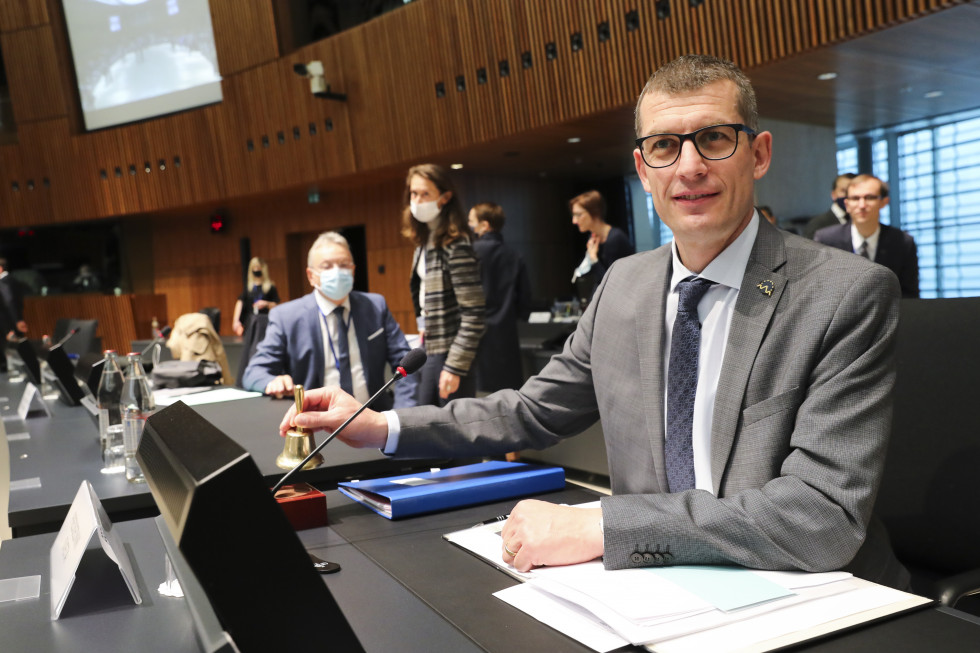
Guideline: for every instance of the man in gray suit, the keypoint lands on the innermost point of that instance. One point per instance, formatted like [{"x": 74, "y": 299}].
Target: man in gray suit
[{"x": 791, "y": 415}]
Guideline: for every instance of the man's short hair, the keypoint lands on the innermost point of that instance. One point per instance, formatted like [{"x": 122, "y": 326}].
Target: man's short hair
[
  {"x": 692, "y": 72},
  {"x": 592, "y": 201},
  {"x": 326, "y": 238},
  {"x": 860, "y": 179},
  {"x": 847, "y": 175},
  {"x": 490, "y": 213}
]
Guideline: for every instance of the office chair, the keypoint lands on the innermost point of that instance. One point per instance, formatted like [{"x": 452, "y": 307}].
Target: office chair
[
  {"x": 254, "y": 334},
  {"x": 84, "y": 341},
  {"x": 214, "y": 313},
  {"x": 929, "y": 498}
]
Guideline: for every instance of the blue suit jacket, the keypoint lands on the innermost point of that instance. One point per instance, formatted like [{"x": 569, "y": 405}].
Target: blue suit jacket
[
  {"x": 293, "y": 345},
  {"x": 896, "y": 251}
]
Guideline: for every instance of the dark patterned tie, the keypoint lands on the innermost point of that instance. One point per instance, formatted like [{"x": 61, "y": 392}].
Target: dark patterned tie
[
  {"x": 863, "y": 249},
  {"x": 343, "y": 352},
  {"x": 682, "y": 384}
]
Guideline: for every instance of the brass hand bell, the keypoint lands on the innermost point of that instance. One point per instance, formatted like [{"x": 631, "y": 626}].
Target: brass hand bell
[{"x": 299, "y": 442}]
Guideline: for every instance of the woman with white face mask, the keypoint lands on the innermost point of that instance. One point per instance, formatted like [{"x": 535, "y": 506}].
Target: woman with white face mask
[
  {"x": 445, "y": 283},
  {"x": 259, "y": 296}
]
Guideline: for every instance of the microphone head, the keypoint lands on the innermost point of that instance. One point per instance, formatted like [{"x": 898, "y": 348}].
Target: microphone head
[
  {"x": 412, "y": 361},
  {"x": 165, "y": 331}
]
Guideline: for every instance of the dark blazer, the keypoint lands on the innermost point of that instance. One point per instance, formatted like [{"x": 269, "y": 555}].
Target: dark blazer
[
  {"x": 818, "y": 222},
  {"x": 801, "y": 418},
  {"x": 293, "y": 345},
  {"x": 896, "y": 251},
  {"x": 508, "y": 296},
  {"x": 11, "y": 304}
]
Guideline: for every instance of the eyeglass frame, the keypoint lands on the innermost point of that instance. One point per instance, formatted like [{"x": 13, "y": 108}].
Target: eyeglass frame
[
  {"x": 737, "y": 126},
  {"x": 867, "y": 199}
]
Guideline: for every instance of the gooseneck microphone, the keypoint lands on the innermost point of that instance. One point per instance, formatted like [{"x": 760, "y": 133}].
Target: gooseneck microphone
[
  {"x": 158, "y": 340},
  {"x": 409, "y": 364},
  {"x": 65, "y": 338}
]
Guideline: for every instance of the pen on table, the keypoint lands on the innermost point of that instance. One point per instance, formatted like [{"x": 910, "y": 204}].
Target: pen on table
[{"x": 492, "y": 520}]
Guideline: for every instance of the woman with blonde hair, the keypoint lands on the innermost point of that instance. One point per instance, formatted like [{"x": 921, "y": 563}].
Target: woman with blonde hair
[
  {"x": 445, "y": 283},
  {"x": 259, "y": 296}
]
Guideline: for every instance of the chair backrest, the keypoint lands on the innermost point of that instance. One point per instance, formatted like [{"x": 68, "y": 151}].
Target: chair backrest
[
  {"x": 214, "y": 313},
  {"x": 930, "y": 498},
  {"x": 84, "y": 341}
]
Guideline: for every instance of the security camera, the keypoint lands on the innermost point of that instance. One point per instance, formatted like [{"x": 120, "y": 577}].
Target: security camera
[{"x": 318, "y": 83}]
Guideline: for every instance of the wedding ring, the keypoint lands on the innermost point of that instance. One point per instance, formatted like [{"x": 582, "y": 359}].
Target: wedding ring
[{"x": 512, "y": 554}]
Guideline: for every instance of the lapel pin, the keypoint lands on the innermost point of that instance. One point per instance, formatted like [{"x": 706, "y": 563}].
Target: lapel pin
[{"x": 767, "y": 287}]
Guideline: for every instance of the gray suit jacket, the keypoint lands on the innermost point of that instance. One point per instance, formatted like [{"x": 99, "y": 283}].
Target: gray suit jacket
[{"x": 801, "y": 418}]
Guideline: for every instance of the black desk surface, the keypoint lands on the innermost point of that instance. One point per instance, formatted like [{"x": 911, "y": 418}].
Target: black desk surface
[
  {"x": 63, "y": 450},
  {"x": 402, "y": 587}
]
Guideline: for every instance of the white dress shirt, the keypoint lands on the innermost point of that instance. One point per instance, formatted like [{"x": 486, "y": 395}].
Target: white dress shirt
[
  {"x": 330, "y": 330},
  {"x": 872, "y": 240},
  {"x": 715, "y": 312}
]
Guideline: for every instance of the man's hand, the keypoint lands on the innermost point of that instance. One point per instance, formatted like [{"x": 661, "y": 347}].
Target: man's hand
[
  {"x": 327, "y": 408},
  {"x": 539, "y": 533},
  {"x": 280, "y": 386},
  {"x": 448, "y": 384}
]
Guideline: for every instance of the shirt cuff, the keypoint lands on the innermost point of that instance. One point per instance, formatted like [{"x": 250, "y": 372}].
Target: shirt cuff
[{"x": 394, "y": 430}]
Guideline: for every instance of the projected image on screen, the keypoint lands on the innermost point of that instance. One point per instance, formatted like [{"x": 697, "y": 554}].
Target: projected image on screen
[{"x": 137, "y": 59}]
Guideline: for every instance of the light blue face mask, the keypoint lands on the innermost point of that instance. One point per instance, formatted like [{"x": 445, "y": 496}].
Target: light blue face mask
[{"x": 336, "y": 283}]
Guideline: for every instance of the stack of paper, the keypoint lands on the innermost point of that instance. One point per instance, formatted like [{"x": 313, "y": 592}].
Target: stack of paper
[{"x": 686, "y": 608}]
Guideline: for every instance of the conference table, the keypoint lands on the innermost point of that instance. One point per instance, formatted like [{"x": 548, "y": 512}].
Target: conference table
[
  {"x": 61, "y": 450},
  {"x": 401, "y": 586}
]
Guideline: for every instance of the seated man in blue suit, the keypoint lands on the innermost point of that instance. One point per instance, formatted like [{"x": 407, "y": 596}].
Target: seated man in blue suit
[
  {"x": 306, "y": 342},
  {"x": 864, "y": 234}
]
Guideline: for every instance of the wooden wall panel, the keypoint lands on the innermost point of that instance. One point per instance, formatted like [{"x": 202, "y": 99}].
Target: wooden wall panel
[
  {"x": 18, "y": 14},
  {"x": 122, "y": 318},
  {"x": 245, "y": 34},
  {"x": 32, "y": 69},
  {"x": 389, "y": 68}
]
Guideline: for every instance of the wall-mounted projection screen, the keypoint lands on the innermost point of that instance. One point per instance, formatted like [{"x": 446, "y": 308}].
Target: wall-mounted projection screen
[{"x": 137, "y": 59}]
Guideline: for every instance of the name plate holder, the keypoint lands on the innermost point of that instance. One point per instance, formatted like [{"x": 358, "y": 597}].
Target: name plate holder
[
  {"x": 32, "y": 403},
  {"x": 85, "y": 518}
]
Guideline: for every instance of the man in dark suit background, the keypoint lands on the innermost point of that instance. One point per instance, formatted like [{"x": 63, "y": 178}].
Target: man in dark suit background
[
  {"x": 865, "y": 235},
  {"x": 508, "y": 294},
  {"x": 12, "y": 324},
  {"x": 331, "y": 337},
  {"x": 837, "y": 213}
]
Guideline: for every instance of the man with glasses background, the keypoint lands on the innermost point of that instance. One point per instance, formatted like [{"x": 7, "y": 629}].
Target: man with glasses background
[
  {"x": 864, "y": 197},
  {"x": 334, "y": 336},
  {"x": 742, "y": 374}
]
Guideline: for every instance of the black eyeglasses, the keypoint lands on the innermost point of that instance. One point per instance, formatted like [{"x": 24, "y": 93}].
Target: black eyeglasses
[{"x": 713, "y": 143}]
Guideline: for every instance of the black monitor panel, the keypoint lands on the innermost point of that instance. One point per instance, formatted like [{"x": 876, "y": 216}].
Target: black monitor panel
[
  {"x": 233, "y": 534},
  {"x": 32, "y": 364},
  {"x": 64, "y": 376}
]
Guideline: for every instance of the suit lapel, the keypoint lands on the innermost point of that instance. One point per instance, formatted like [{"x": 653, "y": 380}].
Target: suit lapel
[
  {"x": 312, "y": 320},
  {"x": 762, "y": 286},
  {"x": 362, "y": 329},
  {"x": 883, "y": 253},
  {"x": 649, "y": 322}
]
